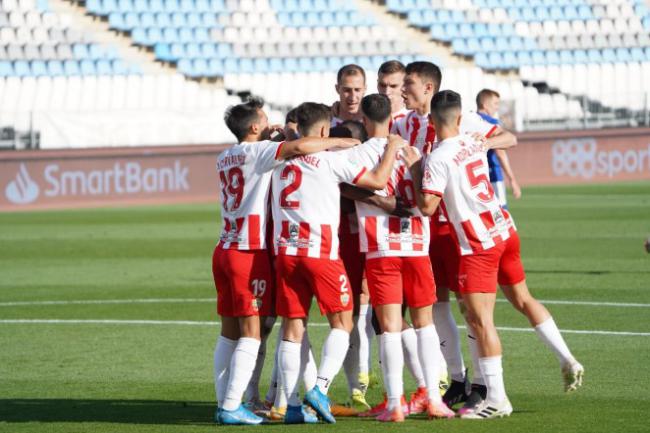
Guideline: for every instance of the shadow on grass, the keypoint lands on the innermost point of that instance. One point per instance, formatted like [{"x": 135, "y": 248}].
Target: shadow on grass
[{"x": 111, "y": 411}]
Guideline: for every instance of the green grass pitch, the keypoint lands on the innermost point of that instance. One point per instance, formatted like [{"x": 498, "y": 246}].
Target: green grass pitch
[{"x": 579, "y": 244}]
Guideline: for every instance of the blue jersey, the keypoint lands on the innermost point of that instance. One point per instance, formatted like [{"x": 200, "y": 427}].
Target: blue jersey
[{"x": 496, "y": 174}]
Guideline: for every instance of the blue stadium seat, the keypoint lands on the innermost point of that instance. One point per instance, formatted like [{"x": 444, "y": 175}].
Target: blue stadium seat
[
  {"x": 109, "y": 6},
  {"x": 155, "y": 35},
  {"x": 496, "y": 60},
  {"x": 208, "y": 19},
  {"x": 119, "y": 67},
  {"x": 276, "y": 65},
  {"x": 156, "y": 6},
  {"x": 609, "y": 55},
  {"x": 428, "y": 17},
  {"x": 594, "y": 55},
  {"x": 481, "y": 60},
  {"x": 261, "y": 65},
  {"x": 566, "y": 57},
  {"x": 186, "y": 6},
  {"x": 168, "y": 34},
  {"x": 116, "y": 21},
  {"x": 516, "y": 43},
  {"x": 208, "y": 50},
  {"x": 501, "y": 43},
  {"x": 147, "y": 19},
  {"x": 201, "y": 68},
  {"x": 311, "y": 19},
  {"x": 54, "y": 68},
  {"x": 415, "y": 18},
  {"x": 438, "y": 32},
  {"x": 178, "y": 19},
  {"x": 193, "y": 50},
  {"x": 185, "y": 67},
  {"x": 201, "y": 6},
  {"x": 473, "y": 45},
  {"x": 320, "y": 64},
  {"x": 487, "y": 44},
  {"x": 194, "y": 19},
  {"x": 480, "y": 29},
  {"x": 80, "y": 51},
  {"x": 139, "y": 36},
  {"x": 584, "y": 12},
  {"x": 171, "y": 5},
  {"x": 94, "y": 7},
  {"x": 451, "y": 31},
  {"x": 283, "y": 18},
  {"x": 140, "y": 6},
  {"x": 538, "y": 57},
  {"x": 637, "y": 54},
  {"x": 71, "y": 68},
  {"x": 524, "y": 58},
  {"x": 39, "y": 68},
  {"x": 466, "y": 30},
  {"x": 217, "y": 5},
  {"x": 176, "y": 51},
  {"x": 215, "y": 67},
  {"x": 163, "y": 52},
  {"x": 201, "y": 35},
  {"x": 290, "y": 64},
  {"x": 623, "y": 55},
  {"x": 557, "y": 14},
  {"x": 163, "y": 19},
  {"x": 224, "y": 50},
  {"x": 514, "y": 13},
  {"x": 552, "y": 58},
  {"x": 459, "y": 46},
  {"x": 510, "y": 60},
  {"x": 580, "y": 56},
  {"x": 87, "y": 67},
  {"x": 96, "y": 51},
  {"x": 327, "y": 19},
  {"x": 104, "y": 67},
  {"x": 570, "y": 13},
  {"x": 246, "y": 66},
  {"x": 528, "y": 14}
]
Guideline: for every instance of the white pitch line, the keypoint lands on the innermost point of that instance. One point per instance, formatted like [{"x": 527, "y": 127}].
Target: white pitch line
[
  {"x": 201, "y": 300},
  {"x": 319, "y": 325}
]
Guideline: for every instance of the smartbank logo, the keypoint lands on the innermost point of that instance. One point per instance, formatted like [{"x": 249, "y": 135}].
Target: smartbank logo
[
  {"x": 121, "y": 178},
  {"x": 22, "y": 190},
  {"x": 581, "y": 158}
]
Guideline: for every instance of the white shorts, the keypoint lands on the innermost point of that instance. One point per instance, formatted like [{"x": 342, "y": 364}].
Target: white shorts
[{"x": 500, "y": 190}]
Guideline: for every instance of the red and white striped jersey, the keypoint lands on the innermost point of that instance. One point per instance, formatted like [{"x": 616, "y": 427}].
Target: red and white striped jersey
[
  {"x": 245, "y": 176},
  {"x": 419, "y": 132},
  {"x": 306, "y": 203},
  {"x": 457, "y": 170},
  {"x": 394, "y": 117},
  {"x": 381, "y": 234}
]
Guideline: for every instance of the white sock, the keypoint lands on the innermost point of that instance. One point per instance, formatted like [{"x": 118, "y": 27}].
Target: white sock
[
  {"x": 290, "y": 369},
  {"x": 252, "y": 392},
  {"x": 380, "y": 353},
  {"x": 222, "y": 354},
  {"x": 411, "y": 357},
  {"x": 311, "y": 372},
  {"x": 430, "y": 360},
  {"x": 393, "y": 363},
  {"x": 364, "y": 339},
  {"x": 477, "y": 377},
  {"x": 449, "y": 339},
  {"x": 493, "y": 375},
  {"x": 242, "y": 365},
  {"x": 351, "y": 361},
  {"x": 370, "y": 336},
  {"x": 334, "y": 350},
  {"x": 548, "y": 332},
  {"x": 275, "y": 376}
]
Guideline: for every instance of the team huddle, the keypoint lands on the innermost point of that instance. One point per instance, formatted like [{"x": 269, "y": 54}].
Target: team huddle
[{"x": 377, "y": 205}]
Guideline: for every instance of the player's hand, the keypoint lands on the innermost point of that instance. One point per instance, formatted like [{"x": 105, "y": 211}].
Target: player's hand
[
  {"x": 401, "y": 209},
  {"x": 481, "y": 139},
  {"x": 395, "y": 142},
  {"x": 276, "y": 133},
  {"x": 516, "y": 189},
  {"x": 410, "y": 155}
]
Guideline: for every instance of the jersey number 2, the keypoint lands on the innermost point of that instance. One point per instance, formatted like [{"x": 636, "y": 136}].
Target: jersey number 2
[
  {"x": 293, "y": 173},
  {"x": 486, "y": 192}
]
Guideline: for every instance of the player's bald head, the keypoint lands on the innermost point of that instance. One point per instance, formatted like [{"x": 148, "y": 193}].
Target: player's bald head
[{"x": 446, "y": 107}]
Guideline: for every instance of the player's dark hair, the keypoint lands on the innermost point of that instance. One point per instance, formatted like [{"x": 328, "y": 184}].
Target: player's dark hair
[
  {"x": 427, "y": 71},
  {"x": 483, "y": 96},
  {"x": 350, "y": 129},
  {"x": 240, "y": 117},
  {"x": 309, "y": 114},
  {"x": 445, "y": 106},
  {"x": 376, "y": 107},
  {"x": 291, "y": 116},
  {"x": 350, "y": 69},
  {"x": 391, "y": 67}
]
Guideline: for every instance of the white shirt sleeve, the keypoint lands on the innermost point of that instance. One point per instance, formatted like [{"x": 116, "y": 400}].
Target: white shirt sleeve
[
  {"x": 471, "y": 123},
  {"x": 345, "y": 168},
  {"x": 266, "y": 154},
  {"x": 435, "y": 176}
]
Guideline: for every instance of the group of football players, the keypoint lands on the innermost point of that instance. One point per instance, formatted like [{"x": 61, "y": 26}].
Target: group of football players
[{"x": 377, "y": 205}]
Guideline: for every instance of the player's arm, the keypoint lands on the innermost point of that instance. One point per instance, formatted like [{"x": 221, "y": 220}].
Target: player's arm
[
  {"x": 307, "y": 145},
  {"x": 426, "y": 200},
  {"x": 499, "y": 138},
  {"x": 390, "y": 204},
  {"x": 377, "y": 178},
  {"x": 507, "y": 169}
]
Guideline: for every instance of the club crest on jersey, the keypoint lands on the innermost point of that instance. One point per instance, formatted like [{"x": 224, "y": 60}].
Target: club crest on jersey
[
  {"x": 293, "y": 232},
  {"x": 256, "y": 303},
  {"x": 405, "y": 225},
  {"x": 345, "y": 299}
]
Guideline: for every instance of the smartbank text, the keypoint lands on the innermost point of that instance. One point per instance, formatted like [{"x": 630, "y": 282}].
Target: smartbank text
[{"x": 122, "y": 178}]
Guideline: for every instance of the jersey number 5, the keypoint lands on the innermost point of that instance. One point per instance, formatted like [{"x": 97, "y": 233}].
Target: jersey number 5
[
  {"x": 293, "y": 173},
  {"x": 480, "y": 180},
  {"x": 232, "y": 185}
]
